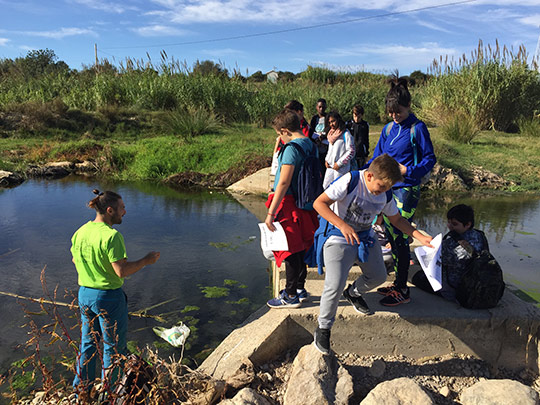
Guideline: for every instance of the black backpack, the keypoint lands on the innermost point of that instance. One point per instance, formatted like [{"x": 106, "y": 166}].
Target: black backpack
[
  {"x": 309, "y": 183},
  {"x": 482, "y": 284}
]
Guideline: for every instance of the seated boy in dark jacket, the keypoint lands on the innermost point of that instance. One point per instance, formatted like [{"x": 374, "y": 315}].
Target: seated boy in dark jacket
[{"x": 456, "y": 251}]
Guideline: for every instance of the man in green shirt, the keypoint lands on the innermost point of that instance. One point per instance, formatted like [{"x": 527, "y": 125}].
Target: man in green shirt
[{"x": 99, "y": 254}]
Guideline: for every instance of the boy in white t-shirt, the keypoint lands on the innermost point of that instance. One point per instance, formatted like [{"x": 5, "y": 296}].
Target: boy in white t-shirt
[{"x": 349, "y": 211}]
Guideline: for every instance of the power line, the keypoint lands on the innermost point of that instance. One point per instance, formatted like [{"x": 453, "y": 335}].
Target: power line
[{"x": 308, "y": 27}]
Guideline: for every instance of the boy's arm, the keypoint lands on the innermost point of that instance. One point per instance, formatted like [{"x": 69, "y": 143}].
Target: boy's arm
[
  {"x": 285, "y": 179},
  {"x": 322, "y": 206},
  {"x": 404, "y": 226}
]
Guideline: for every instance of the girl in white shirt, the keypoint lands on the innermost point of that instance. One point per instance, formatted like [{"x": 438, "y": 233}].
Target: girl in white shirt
[{"x": 341, "y": 150}]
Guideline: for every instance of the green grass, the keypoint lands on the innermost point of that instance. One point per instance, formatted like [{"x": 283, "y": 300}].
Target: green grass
[
  {"x": 515, "y": 157},
  {"x": 147, "y": 158}
]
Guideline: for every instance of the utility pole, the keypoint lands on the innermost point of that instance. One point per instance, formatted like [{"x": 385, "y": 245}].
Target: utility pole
[
  {"x": 536, "y": 58},
  {"x": 95, "y": 55}
]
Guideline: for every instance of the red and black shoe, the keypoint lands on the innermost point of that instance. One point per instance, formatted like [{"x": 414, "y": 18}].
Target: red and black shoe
[
  {"x": 386, "y": 290},
  {"x": 396, "y": 297}
]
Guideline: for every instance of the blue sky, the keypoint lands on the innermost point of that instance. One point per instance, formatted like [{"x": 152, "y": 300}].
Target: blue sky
[{"x": 376, "y": 42}]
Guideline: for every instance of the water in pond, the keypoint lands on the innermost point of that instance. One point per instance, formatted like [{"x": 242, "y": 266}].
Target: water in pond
[{"x": 206, "y": 240}]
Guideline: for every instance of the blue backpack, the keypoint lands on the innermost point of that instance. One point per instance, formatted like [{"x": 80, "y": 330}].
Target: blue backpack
[{"x": 309, "y": 185}]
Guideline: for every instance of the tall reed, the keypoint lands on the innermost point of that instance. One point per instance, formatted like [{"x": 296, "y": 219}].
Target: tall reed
[{"x": 495, "y": 86}]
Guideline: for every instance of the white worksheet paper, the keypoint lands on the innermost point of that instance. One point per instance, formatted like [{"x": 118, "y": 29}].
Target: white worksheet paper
[
  {"x": 276, "y": 240},
  {"x": 430, "y": 261}
]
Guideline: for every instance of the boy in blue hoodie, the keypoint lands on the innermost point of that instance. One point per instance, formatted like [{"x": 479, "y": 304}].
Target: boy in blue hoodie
[{"x": 407, "y": 140}]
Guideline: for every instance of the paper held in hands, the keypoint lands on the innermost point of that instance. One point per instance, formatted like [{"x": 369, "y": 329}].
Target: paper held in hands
[
  {"x": 430, "y": 260},
  {"x": 276, "y": 240}
]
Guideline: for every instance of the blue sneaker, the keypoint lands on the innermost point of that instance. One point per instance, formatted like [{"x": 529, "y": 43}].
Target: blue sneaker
[
  {"x": 284, "y": 301},
  {"x": 302, "y": 295}
]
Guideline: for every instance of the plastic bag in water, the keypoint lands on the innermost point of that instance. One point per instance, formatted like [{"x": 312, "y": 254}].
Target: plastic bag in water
[{"x": 176, "y": 335}]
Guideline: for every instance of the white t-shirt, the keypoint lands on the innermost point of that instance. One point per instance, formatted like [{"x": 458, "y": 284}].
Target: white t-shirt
[{"x": 360, "y": 207}]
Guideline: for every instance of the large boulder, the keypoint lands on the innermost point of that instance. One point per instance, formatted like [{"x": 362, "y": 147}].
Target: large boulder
[
  {"x": 480, "y": 177},
  {"x": 317, "y": 379},
  {"x": 400, "y": 391},
  {"x": 443, "y": 178},
  {"x": 499, "y": 392},
  {"x": 10, "y": 179},
  {"x": 246, "y": 396}
]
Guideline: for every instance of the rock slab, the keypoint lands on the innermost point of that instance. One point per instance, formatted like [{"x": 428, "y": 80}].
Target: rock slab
[
  {"x": 499, "y": 392},
  {"x": 317, "y": 379},
  {"x": 400, "y": 391},
  {"x": 10, "y": 179}
]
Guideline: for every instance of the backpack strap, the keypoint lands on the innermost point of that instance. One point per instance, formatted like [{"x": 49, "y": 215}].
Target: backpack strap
[
  {"x": 413, "y": 141},
  {"x": 355, "y": 176},
  {"x": 387, "y": 128},
  {"x": 486, "y": 243}
]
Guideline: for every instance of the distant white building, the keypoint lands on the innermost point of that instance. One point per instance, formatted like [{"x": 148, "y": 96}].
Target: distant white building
[{"x": 272, "y": 76}]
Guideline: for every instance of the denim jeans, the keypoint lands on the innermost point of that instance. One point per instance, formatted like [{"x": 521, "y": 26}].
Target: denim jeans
[{"x": 104, "y": 316}]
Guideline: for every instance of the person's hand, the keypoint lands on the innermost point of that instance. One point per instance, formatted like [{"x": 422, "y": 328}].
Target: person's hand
[
  {"x": 350, "y": 234},
  {"x": 152, "y": 257},
  {"x": 269, "y": 221},
  {"x": 424, "y": 239},
  {"x": 402, "y": 169},
  {"x": 336, "y": 167},
  {"x": 326, "y": 164}
]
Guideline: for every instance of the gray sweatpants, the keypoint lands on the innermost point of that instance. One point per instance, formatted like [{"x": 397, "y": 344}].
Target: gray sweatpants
[{"x": 338, "y": 260}]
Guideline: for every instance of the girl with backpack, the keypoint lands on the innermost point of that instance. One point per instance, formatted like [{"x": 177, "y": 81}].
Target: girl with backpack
[
  {"x": 407, "y": 140},
  {"x": 299, "y": 224}
]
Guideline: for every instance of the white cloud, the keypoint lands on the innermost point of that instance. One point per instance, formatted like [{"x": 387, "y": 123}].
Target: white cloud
[
  {"x": 432, "y": 26},
  {"x": 110, "y": 7},
  {"x": 302, "y": 12},
  {"x": 60, "y": 33},
  {"x": 222, "y": 52},
  {"x": 160, "y": 31},
  {"x": 533, "y": 20},
  {"x": 394, "y": 50},
  {"x": 4, "y": 41}
]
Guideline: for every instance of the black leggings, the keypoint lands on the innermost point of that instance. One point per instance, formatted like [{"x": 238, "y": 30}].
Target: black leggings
[{"x": 295, "y": 272}]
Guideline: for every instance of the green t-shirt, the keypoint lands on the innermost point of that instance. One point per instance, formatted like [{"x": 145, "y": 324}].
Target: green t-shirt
[{"x": 94, "y": 247}]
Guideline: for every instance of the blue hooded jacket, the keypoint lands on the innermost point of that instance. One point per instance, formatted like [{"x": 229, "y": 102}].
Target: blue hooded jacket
[{"x": 398, "y": 145}]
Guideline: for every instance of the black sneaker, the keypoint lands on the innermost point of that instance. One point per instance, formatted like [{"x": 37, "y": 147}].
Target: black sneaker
[
  {"x": 357, "y": 302},
  {"x": 322, "y": 340}
]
